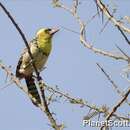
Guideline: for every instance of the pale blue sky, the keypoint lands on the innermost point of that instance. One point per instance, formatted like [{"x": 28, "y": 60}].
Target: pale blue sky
[{"x": 70, "y": 66}]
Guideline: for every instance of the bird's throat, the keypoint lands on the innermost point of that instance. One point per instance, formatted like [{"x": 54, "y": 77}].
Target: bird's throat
[{"x": 45, "y": 45}]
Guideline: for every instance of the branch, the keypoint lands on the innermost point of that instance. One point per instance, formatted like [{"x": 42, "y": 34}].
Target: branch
[
  {"x": 124, "y": 99},
  {"x": 123, "y": 34},
  {"x": 15, "y": 80},
  {"x": 117, "y": 106},
  {"x": 103, "y": 109},
  {"x": 82, "y": 33},
  {"x": 110, "y": 16},
  {"x": 113, "y": 83}
]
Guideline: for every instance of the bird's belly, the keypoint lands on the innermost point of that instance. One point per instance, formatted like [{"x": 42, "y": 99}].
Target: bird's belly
[{"x": 39, "y": 61}]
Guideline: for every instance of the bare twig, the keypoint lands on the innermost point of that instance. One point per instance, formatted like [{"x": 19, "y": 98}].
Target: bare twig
[
  {"x": 6, "y": 86},
  {"x": 115, "y": 86},
  {"x": 96, "y": 50},
  {"x": 110, "y": 16},
  {"x": 124, "y": 96},
  {"x": 71, "y": 99},
  {"x": 107, "y": 22},
  {"x": 75, "y": 6},
  {"x": 123, "y": 34},
  {"x": 83, "y": 38},
  {"x": 123, "y": 52},
  {"x": 98, "y": 11},
  {"x": 117, "y": 106}
]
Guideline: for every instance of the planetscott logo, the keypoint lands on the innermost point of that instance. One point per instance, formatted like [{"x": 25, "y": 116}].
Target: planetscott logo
[{"x": 108, "y": 123}]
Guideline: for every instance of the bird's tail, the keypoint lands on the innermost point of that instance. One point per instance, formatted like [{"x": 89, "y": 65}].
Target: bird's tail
[{"x": 32, "y": 89}]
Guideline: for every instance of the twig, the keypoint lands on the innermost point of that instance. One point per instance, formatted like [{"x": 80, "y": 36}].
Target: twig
[
  {"x": 63, "y": 94},
  {"x": 110, "y": 16},
  {"x": 123, "y": 34},
  {"x": 124, "y": 97},
  {"x": 83, "y": 38},
  {"x": 117, "y": 106},
  {"x": 123, "y": 52},
  {"x": 98, "y": 11},
  {"x": 107, "y": 22},
  {"x": 113, "y": 83},
  {"x": 7, "y": 85},
  {"x": 75, "y": 6}
]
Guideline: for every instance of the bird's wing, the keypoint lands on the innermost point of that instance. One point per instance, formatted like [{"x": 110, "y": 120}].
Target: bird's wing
[
  {"x": 18, "y": 74},
  {"x": 25, "y": 52}
]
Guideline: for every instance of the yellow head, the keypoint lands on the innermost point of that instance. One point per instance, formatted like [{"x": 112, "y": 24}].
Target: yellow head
[
  {"x": 44, "y": 37},
  {"x": 46, "y": 33}
]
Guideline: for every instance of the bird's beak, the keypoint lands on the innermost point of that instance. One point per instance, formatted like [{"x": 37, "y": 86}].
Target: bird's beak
[{"x": 54, "y": 30}]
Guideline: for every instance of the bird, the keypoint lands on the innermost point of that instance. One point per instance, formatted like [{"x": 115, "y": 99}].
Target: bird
[{"x": 40, "y": 47}]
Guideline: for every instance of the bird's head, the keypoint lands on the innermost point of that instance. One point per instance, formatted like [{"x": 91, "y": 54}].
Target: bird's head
[{"x": 46, "y": 33}]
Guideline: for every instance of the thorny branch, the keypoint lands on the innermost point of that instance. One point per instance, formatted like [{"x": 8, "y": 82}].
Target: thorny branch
[
  {"x": 123, "y": 34},
  {"x": 124, "y": 97},
  {"x": 73, "y": 11},
  {"x": 117, "y": 106},
  {"x": 100, "y": 110},
  {"x": 110, "y": 16},
  {"x": 43, "y": 106},
  {"x": 115, "y": 86},
  {"x": 57, "y": 3},
  {"x": 117, "y": 23}
]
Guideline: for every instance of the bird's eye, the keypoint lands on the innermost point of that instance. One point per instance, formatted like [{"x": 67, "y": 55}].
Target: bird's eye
[{"x": 48, "y": 30}]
